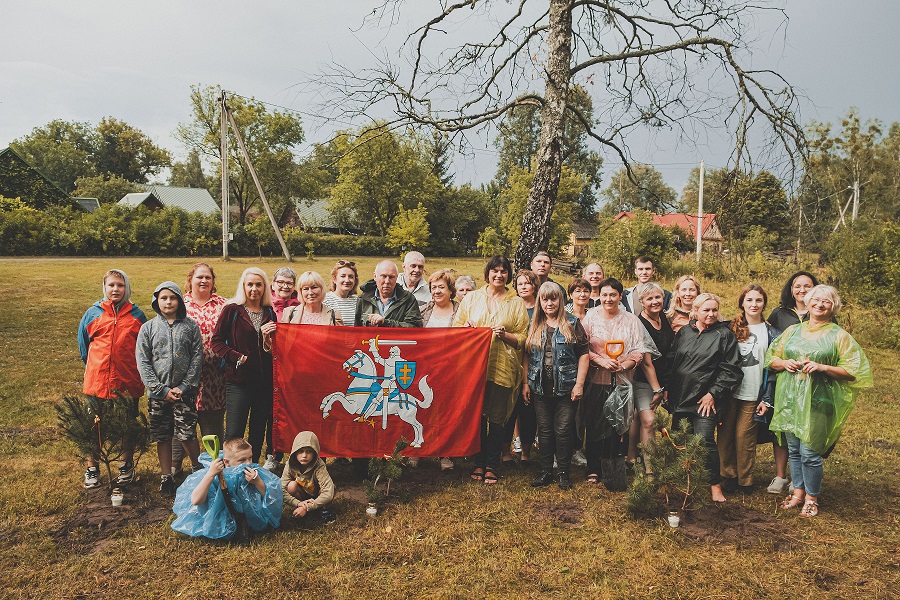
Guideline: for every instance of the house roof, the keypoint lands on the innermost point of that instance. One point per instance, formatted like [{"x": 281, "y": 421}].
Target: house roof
[
  {"x": 584, "y": 231},
  {"x": 18, "y": 179},
  {"x": 88, "y": 205},
  {"x": 315, "y": 213},
  {"x": 686, "y": 221},
  {"x": 187, "y": 199}
]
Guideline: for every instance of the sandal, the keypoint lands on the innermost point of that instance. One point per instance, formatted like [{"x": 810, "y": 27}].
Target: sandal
[
  {"x": 477, "y": 474},
  {"x": 490, "y": 478},
  {"x": 810, "y": 509},
  {"x": 791, "y": 501},
  {"x": 593, "y": 478}
]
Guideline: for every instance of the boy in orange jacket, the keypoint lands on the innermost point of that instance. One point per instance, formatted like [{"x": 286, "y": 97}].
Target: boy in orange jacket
[{"x": 107, "y": 336}]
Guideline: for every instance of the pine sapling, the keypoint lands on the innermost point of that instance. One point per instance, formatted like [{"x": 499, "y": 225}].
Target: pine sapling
[{"x": 106, "y": 433}]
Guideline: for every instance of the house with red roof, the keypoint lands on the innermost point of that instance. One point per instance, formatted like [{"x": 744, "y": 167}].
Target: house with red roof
[{"x": 711, "y": 237}]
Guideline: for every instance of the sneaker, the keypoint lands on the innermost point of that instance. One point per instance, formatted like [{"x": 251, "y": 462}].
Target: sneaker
[
  {"x": 271, "y": 463},
  {"x": 564, "y": 482},
  {"x": 778, "y": 486},
  {"x": 446, "y": 464},
  {"x": 167, "y": 486},
  {"x": 126, "y": 474},
  {"x": 91, "y": 478},
  {"x": 579, "y": 459},
  {"x": 517, "y": 445},
  {"x": 545, "y": 478}
]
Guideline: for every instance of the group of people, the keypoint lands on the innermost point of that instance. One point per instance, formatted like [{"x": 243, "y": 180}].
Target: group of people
[{"x": 564, "y": 363}]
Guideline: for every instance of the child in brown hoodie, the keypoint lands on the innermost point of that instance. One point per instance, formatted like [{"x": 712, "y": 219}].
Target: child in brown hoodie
[{"x": 305, "y": 481}]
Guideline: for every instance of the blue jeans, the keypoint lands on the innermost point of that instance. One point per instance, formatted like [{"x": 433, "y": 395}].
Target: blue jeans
[
  {"x": 806, "y": 466},
  {"x": 555, "y": 415},
  {"x": 706, "y": 427}
]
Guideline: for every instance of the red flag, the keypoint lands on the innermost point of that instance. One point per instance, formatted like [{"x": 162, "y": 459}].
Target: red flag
[{"x": 334, "y": 380}]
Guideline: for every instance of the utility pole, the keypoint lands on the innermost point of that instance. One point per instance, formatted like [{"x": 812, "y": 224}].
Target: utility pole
[
  {"x": 700, "y": 214},
  {"x": 259, "y": 188},
  {"x": 223, "y": 155}
]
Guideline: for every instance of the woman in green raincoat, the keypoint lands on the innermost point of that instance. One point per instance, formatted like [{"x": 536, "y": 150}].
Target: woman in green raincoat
[{"x": 820, "y": 369}]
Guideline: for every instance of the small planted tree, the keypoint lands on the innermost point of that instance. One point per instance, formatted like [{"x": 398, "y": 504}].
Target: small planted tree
[
  {"x": 676, "y": 461},
  {"x": 106, "y": 431},
  {"x": 387, "y": 469}
]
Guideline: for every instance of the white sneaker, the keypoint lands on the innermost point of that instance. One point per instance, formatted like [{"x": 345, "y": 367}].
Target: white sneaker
[
  {"x": 91, "y": 478},
  {"x": 446, "y": 464},
  {"x": 517, "y": 445},
  {"x": 778, "y": 486},
  {"x": 271, "y": 463},
  {"x": 579, "y": 459}
]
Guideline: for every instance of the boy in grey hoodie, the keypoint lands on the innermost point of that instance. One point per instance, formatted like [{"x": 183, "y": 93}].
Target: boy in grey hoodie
[
  {"x": 305, "y": 480},
  {"x": 169, "y": 356}
]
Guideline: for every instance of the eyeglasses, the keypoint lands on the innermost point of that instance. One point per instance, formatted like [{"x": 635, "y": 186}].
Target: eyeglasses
[
  {"x": 282, "y": 283},
  {"x": 346, "y": 263}
]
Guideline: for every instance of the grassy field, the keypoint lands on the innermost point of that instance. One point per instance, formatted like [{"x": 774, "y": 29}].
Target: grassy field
[{"x": 444, "y": 537}]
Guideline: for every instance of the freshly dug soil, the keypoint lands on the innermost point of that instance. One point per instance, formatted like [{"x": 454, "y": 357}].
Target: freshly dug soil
[
  {"x": 732, "y": 524},
  {"x": 97, "y": 519}
]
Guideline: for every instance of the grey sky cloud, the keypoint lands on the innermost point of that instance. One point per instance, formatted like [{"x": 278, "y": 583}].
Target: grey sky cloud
[{"x": 136, "y": 62}]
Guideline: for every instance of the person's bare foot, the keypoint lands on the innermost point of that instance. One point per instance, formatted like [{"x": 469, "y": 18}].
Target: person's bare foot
[{"x": 717, "y": 495}]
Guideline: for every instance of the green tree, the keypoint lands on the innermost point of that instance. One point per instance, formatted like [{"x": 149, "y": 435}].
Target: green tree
[
  {"x": 457, "y": 216},
  {"x": 410, "y": 231},
  {"x": 126, "y": 152},
  {"x": 271, "y": 138},
  {"x": 715, "y": 184},
  {"x": 644, "y": 189},
  {"x": 620, "y": 241},
  {"x": 858, "y": 155},
  {"x": 648, "y": 59},
  {"x": 61, "y": 150},
  {"x": 189, "y": 173},
  {"x": 380, "y": 170},
  {"x": 754, "y": 201},
  {"x": 514, "y": 198},
  {"x": 517, "y": 142},
  {"x": 107, "y": 189}
]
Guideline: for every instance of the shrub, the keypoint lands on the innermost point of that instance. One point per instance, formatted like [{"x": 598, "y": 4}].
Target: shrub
[
  {"x": 865, "y": 261},
  {"x": 620, "y": 242}
]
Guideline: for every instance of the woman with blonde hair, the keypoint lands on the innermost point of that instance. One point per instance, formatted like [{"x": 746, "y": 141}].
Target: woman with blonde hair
[
  {"x": 684, "y": 294},
  {"x": 706, "y": 370},
  {"x": 312, "y": 310},
  {"x": 246, "y": 320},
  {"x": 344, "y": 284},
  {"x": 555, "y": 366}
]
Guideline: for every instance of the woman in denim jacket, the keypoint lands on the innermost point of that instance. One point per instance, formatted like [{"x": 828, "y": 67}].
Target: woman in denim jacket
[{"x": 556, "y": 364}]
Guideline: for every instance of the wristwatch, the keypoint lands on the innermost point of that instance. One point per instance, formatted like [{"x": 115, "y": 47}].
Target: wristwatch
[{"x": 659, "y": 391}]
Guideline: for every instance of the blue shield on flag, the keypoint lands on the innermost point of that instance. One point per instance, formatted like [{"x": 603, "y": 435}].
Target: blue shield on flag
[{"x": 405, "y": 371}]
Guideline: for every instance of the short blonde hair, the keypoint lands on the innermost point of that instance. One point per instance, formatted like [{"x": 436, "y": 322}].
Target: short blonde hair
[
  {"x": 701, "y": 300},
  {"x": 235, "y": 445},
  {"x": 828, "y": 293},
  {"x": 310, "y": 279},
  {"x": 645, "y": 288}
]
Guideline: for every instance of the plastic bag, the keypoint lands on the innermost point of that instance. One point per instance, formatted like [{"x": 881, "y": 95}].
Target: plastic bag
[
  {"x": 211, "y": 519},
  {"x": 618, "y": 409}
]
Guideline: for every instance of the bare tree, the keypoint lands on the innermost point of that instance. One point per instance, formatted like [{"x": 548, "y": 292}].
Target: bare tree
[{"x": 676, "y": 64}]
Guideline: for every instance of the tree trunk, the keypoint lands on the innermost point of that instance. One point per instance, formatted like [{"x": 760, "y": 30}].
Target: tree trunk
[{"x": 542, "y": 199}]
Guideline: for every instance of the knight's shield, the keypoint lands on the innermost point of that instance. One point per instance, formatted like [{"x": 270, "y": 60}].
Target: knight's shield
[{"x": 405, "y": 371}]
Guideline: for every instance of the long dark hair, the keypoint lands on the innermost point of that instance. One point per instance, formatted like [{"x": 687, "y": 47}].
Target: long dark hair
[
  {"x": 787, "y": 296},
  {"x": 739, "y": 324}
]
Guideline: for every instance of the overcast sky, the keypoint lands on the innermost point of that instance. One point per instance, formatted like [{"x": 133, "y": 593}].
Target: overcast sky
[{"x": 136, "y": 62}]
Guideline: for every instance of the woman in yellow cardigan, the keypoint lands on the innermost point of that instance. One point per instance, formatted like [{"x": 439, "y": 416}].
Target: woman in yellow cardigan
[{"x": 502, "y": 310}]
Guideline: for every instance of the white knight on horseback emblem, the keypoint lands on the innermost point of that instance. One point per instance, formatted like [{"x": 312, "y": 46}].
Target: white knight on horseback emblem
[{"x": 369, "y": 393}]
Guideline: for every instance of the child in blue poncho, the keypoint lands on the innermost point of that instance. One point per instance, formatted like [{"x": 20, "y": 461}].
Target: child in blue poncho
[{"x": 256, "y": 494}]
